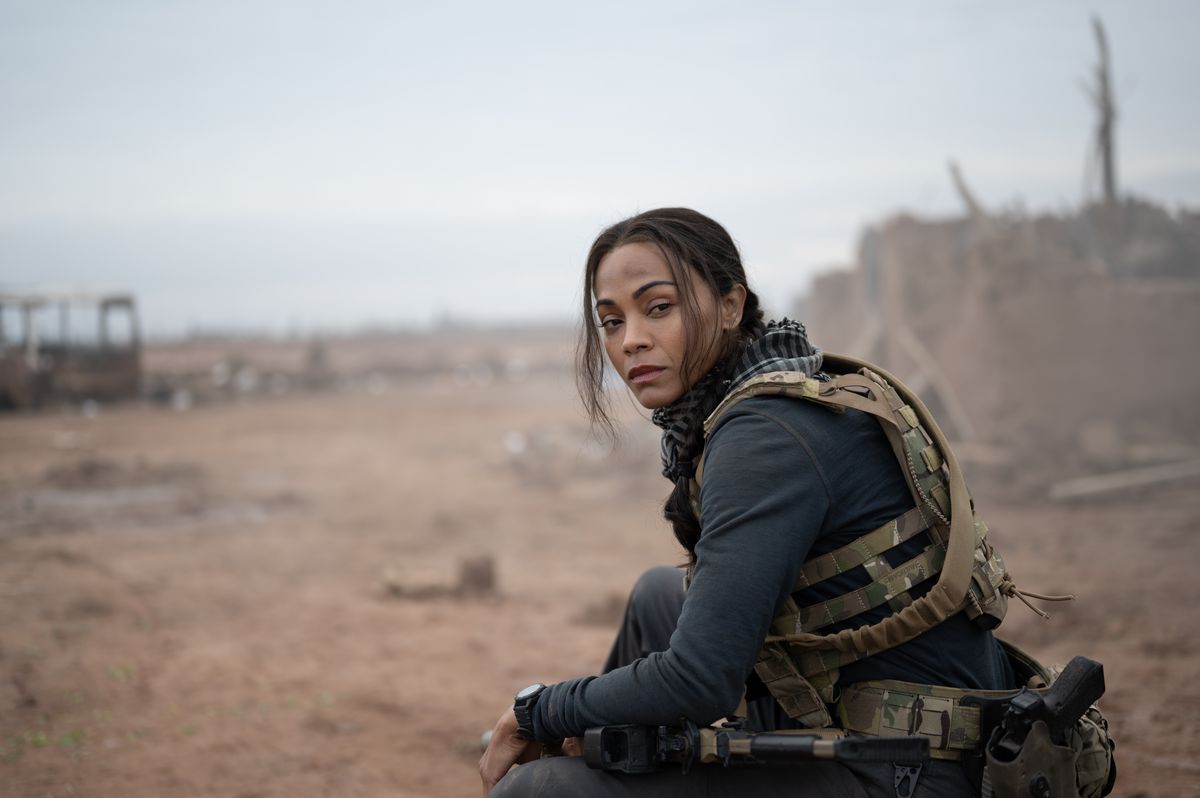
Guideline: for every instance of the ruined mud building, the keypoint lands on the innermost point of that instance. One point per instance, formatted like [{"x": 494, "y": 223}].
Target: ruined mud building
[{"x": 1052, "y": 346}]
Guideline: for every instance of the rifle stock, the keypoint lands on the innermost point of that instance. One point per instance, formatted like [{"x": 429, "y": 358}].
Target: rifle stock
[{"x": 642, "y": 749}]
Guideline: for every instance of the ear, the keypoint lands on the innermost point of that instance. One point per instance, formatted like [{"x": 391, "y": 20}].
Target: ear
[{"x": 731, "y": 307}]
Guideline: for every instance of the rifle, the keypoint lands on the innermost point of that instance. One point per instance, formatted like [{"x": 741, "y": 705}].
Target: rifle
[{"x": 642, "y": 749}]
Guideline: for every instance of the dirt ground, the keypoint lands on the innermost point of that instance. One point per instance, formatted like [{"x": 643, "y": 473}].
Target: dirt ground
[{"x": 265, "y": 597}]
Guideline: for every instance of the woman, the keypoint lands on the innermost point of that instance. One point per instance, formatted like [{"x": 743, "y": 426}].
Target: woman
[{"x": 667, "y": 304}]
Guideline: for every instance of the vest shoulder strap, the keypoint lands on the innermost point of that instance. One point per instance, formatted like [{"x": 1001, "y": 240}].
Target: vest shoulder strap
[{"x": 795, "y": 384}]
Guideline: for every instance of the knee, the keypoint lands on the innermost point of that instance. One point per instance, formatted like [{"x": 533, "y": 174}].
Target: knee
[
  {"x": 538, "y": 779},
  {"x": 659, "y": 583}
]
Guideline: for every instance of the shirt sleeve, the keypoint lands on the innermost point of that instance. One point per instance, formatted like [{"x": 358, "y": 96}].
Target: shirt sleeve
[{"x": 764, "y": 500}]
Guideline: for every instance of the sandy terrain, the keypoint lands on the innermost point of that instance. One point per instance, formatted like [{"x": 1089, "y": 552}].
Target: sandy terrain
[{"x": 262, "y": 597}]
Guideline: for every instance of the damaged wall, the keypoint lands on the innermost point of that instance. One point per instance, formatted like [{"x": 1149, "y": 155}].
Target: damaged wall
[{"x": 1068, "y": 339}]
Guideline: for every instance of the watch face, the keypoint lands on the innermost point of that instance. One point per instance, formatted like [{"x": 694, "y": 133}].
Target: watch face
[{"x": 530, "y": 690}]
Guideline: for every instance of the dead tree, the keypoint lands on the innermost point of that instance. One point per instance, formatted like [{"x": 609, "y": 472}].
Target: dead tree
[
  {"x": 1106, "y": 110},
  {"x": 974, "y": 209}
]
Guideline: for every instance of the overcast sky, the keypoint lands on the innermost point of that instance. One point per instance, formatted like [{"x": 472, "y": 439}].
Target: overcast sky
[{"x": 299, "y": 165}]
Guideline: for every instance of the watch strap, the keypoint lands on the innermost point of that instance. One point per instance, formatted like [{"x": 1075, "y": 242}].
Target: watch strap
[{"x": 523, "y": 708}]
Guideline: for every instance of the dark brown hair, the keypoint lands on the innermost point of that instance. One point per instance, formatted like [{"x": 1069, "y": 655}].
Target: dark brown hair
[{"x": 687, "y": 240}]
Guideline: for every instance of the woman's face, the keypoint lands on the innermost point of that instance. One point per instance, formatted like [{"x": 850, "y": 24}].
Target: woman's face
[{"x": 638, "y": 306}]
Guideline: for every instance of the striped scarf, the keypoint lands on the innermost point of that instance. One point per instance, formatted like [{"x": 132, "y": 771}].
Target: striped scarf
[{"x": 783, "y": 347}]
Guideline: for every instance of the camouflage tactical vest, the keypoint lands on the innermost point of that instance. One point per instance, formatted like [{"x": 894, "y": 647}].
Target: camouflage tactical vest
[{"x": 798, "y": 662}]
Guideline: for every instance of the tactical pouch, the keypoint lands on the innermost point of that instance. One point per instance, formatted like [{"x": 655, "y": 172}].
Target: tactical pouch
[
  {"x": 795, "y": 694},
  {"x": 1095, "y": 767}
]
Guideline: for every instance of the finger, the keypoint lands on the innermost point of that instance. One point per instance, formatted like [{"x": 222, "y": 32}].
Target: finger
[
  {"x": 530, "y": 752},
  {"x": 493, "y": 769},
  {"x": 504, "y": 750}
]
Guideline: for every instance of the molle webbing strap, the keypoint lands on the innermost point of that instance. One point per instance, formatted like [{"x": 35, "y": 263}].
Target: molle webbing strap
[
  {"x": 893, "y": 583},
  {"x": 912, "y": 445},
  {"x": 879, "y": 567},
  {"x": 891, "y": 708},
  {"x": 864, "y": 549}
]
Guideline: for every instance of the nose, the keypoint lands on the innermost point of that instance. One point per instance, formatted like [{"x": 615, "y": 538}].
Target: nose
[{"x": 637, "y": 336}]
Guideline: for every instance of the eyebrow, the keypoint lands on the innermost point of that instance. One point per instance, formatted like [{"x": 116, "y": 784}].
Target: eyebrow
[{"x": 641, "y": 290}]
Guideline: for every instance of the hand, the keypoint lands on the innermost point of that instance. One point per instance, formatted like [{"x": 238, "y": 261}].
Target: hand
[{"x": 504, "y": 750}]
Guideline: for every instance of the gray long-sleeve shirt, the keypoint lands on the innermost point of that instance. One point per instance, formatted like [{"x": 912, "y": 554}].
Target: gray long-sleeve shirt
[{"x": 784, "y": 480}]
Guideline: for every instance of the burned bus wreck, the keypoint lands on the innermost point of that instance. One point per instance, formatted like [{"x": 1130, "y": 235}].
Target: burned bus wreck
[{"x": 67, "y": 347}]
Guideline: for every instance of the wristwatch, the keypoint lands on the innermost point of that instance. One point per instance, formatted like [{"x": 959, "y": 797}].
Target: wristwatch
[{"x": 523, "y": 709}]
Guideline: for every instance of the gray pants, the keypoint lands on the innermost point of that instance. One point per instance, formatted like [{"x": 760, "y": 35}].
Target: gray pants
[{"x": 650, "y": 618}]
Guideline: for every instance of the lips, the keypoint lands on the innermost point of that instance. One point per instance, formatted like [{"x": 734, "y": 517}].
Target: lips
[{"x": 641, "y": 374}]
